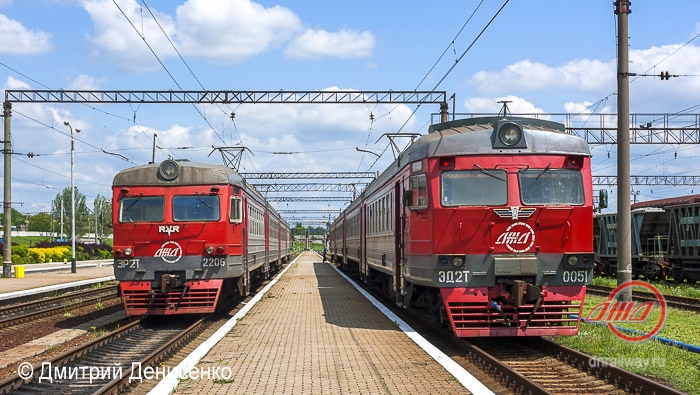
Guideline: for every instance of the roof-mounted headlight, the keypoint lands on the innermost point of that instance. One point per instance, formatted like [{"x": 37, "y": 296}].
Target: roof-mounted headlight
[
  {"x": 510, "y": 134},
  {"x": 169, "y": 170}
]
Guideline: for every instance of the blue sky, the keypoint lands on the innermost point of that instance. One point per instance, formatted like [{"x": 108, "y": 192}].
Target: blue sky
[{"x": 547, "y": 56}]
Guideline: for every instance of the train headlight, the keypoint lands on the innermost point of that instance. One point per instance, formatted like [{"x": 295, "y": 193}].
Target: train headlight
[
  {"x": 128, "y": 251},
  {"x": 442, "y": 260},
  {"x": 457, "y": 261},
  {"x": 510, "y": 134},
  {"x": 169, "y": 170},
  {"x": 210, "y": 250},
  {"x": 572, "y": 260}
]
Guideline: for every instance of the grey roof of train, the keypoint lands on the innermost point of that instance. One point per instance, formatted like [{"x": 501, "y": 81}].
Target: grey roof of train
[
  {"x": 193, "y": 173},
  {"x": 467, "y": 137}
]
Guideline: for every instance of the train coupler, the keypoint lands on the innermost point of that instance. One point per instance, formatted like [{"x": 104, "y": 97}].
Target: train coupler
[
  {"x": 524, "y": 292},
  {"x": 168, "y": 282}
]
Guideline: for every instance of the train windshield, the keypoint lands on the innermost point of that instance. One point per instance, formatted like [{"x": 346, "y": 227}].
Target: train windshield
[
  {"x": 141, "y": 209},
  {"x": 196, "y": 208},
  {"x": 551, "y": 186},
  {"x": 474, "y": 188}
]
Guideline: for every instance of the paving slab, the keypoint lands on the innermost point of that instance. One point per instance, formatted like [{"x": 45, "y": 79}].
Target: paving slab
[{"x": 314, "y": 333}]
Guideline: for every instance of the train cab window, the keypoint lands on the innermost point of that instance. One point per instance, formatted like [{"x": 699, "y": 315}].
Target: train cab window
[
  {"x": 141, "y": 209},
  {"x": 196, "y": 208},
  {"x": 419, "y": 191},
  {"x": 474, "y": 188},
  {"x": 236, "y": 210},
  {"x": 551, "y": 186}
]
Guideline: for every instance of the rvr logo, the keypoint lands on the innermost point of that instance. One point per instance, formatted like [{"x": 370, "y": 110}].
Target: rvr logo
[{"x": 168, "y": 229}]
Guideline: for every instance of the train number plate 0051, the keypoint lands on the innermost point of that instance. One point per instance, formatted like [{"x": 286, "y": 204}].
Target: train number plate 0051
[
  {"x": 453, "y": 276},
  {"x": 575, "y": 276}
]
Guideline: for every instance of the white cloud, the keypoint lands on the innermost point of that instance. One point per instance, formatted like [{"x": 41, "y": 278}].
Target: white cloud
[
  {"x": 13, "y": 83},
  {"x": 221, "y": 32},
  {"x": 584, "y": 75},
  {"x": 18, "y": 40},
  {"x": 230, "y": 31},
  {"x": 84, "y": 82},
  {"x": 315, "y": 44},
  {"x": 116, "y": 42}
]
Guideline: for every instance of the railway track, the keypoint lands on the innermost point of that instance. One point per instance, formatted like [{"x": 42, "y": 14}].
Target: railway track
[
  {"x": 106, "y": 364},
  {"x": 539, "y": 366},
  {"x": 147, "y": 344},
  {"x": 529, "y": 365},
  {"x": 679, "y": 302},
  {"x": 30, "y": 311}
]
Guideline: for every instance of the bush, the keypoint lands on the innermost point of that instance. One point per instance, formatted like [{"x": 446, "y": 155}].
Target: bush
[{"x": 58, "y": 252}]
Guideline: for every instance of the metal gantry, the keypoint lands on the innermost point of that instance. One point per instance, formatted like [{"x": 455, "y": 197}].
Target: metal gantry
[
  {"x": 313, "y": 175},
  {"x": 307, "y": 187},
  {"x": 224, "y": 96},
  {"x": 192, "y": 97},
  {"x": 649, "y": 180},
  {"x": 645, "y": 128},
  {"x": 309, "y": 199}
]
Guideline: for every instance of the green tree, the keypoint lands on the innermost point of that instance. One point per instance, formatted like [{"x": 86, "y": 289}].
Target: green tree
[
  {"x": 81, "y": 212},
  {"x": 40, "y": 222},
  {"x": 103, "y": 210},
  {"x": 18, "y": 219},
  {"x": 299, "y": 230}
]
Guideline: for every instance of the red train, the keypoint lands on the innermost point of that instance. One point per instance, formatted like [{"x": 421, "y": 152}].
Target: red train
[
  {"x": 485, "y": 222},
  {"x": 186, "y": 233}
]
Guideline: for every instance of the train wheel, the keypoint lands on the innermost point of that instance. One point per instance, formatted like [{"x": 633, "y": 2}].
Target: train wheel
[{"x": 651, "y": 271}]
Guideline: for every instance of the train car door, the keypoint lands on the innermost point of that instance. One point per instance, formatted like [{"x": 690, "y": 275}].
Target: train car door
[
  {"x": 244, "y": 280},
  {"x": 398, "y": 242},
  {"x": 362, "y": 256}
]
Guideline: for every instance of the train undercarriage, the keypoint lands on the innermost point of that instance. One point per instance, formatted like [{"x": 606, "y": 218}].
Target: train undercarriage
[{"x": 512, "y": 307}]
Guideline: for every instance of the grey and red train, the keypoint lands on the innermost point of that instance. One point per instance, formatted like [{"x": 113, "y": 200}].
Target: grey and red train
[
  {"x": 186, "y": 233},
  {"x": 665, "y": 239},
  {"x": 485, "y": 223}
]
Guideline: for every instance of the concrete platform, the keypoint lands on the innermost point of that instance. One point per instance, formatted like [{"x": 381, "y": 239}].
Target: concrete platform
[
  {"x": 314, "y": 333},
  {"x": 53, "y": 277}
]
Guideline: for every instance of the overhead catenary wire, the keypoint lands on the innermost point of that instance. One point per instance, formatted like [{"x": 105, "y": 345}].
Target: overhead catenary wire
[
  {"x": 189, "y": 68},
  {"x": 172, "y": 77},
  {"x": 493, "y": 18}
]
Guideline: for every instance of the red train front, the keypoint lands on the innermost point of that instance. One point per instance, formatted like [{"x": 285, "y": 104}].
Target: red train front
[
  {"x": 186, "y": 233},
  {"x": 485, "y": 223}
]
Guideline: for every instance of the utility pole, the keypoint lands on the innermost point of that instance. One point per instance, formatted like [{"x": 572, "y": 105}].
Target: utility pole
[
  {"x": 7, "y": 200},
  {"x": 624, "y": 216}
]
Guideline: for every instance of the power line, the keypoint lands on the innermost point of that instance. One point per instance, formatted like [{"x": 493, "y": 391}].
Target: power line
[
  {"x": 165, "y": 68},
  {"x": 460, "y": 58}
]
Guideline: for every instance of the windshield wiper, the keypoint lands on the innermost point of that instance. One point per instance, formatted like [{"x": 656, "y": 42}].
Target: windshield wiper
[
  {"x": 539, "y": 175},
  {"x": 134, "y": 202},
  {"x": 202, "y": 200},
  {"x": 487, "y": 173}
]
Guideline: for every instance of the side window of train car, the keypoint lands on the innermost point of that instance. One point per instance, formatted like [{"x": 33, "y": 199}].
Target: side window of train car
[
  {"x": 474, "y": 188},
  {"x": 236, "y": 210},
  {"x": 141, "y": 209},
  {"x": 419, "y": 192},
  {"x": 551, "y": 186},
  {"x": 196, "y": 208}
]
